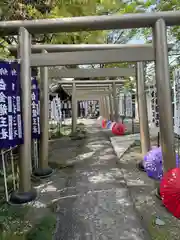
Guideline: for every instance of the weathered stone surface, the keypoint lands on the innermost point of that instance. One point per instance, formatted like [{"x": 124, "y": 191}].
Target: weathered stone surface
[{"x": 96, "y": 203}]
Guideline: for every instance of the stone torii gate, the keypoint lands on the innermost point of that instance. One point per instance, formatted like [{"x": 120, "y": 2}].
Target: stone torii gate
[
  {"x": 86, "y": 88},
  {"x": 85, "y": 85},
  {"x": 156, "y": 21}
]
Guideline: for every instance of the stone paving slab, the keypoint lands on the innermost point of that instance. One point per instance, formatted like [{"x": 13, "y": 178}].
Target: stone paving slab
[
  {"x": 96, "y": 204},
  {"x": 103, "y": 214},
  {"x": 92, "y": 198},
  {"x": 122, "y": 143}
]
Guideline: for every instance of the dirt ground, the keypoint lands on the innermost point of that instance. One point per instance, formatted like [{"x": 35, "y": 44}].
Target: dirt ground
[{"x": 63, "y": 151}]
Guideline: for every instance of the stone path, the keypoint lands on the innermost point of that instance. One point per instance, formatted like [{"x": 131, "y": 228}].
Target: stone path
[
  {"x": 123, "y": 143},
  {"x": 95, "y": 203}
]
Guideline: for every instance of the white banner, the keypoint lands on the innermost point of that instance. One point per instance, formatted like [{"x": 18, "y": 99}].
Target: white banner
[
  {"x": 125, "y": 104},
  {"x": 69, "y": 104},
  {"x": 86, "y": 107},
  {"x": 121, "y": 104},
  {"x": 81, "y": 104},
  {"x": 56, "y": 109},
  {"x": 176, "y": 76},
  {"x": 154, "y": 107},
  {"x": 128, "y": 104},
  {"x": 65, "y": 105}
]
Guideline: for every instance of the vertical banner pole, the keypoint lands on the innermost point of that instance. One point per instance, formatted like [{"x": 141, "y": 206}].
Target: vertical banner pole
[
  {"x": 13, "y": 170},
  {"x": 5, "y": 177}
]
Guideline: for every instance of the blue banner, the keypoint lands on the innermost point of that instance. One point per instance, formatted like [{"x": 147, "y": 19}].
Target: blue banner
[
  {"x": 35, "y": 109},
  {"x": 38, "y": 112},
  {"x": 16, "y": 101},
  {"x": 11, "y": 131}
]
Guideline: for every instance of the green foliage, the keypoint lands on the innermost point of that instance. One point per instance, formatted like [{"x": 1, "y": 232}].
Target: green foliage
[
  {"x": 57, "y": 131},
  {"x": 15, "y": 226},
  {"x": 173, "y": 33},
  {"x": 129, "y": 84},
  {"x": 163, "y": 5},
  {"x": 44, "y": 229},
  {"x": 38, "y": 9},
  {"x": 27, "y": 9},
  {"x": 170, "y": 6},
  {"x": 13, "y": 222}
]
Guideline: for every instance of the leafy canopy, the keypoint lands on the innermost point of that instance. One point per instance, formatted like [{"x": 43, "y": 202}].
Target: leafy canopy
[{"x": 38, "y": 9}]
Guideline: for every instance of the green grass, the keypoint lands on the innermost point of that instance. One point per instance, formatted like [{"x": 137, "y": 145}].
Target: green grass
[
  {"x": 64, "y": 130},
  {"x": 58, "y": 132},
  {"x": 44, "y": 229},
  {"x": 14, "y": 224},
  {"x": 158, "y": 232}
]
